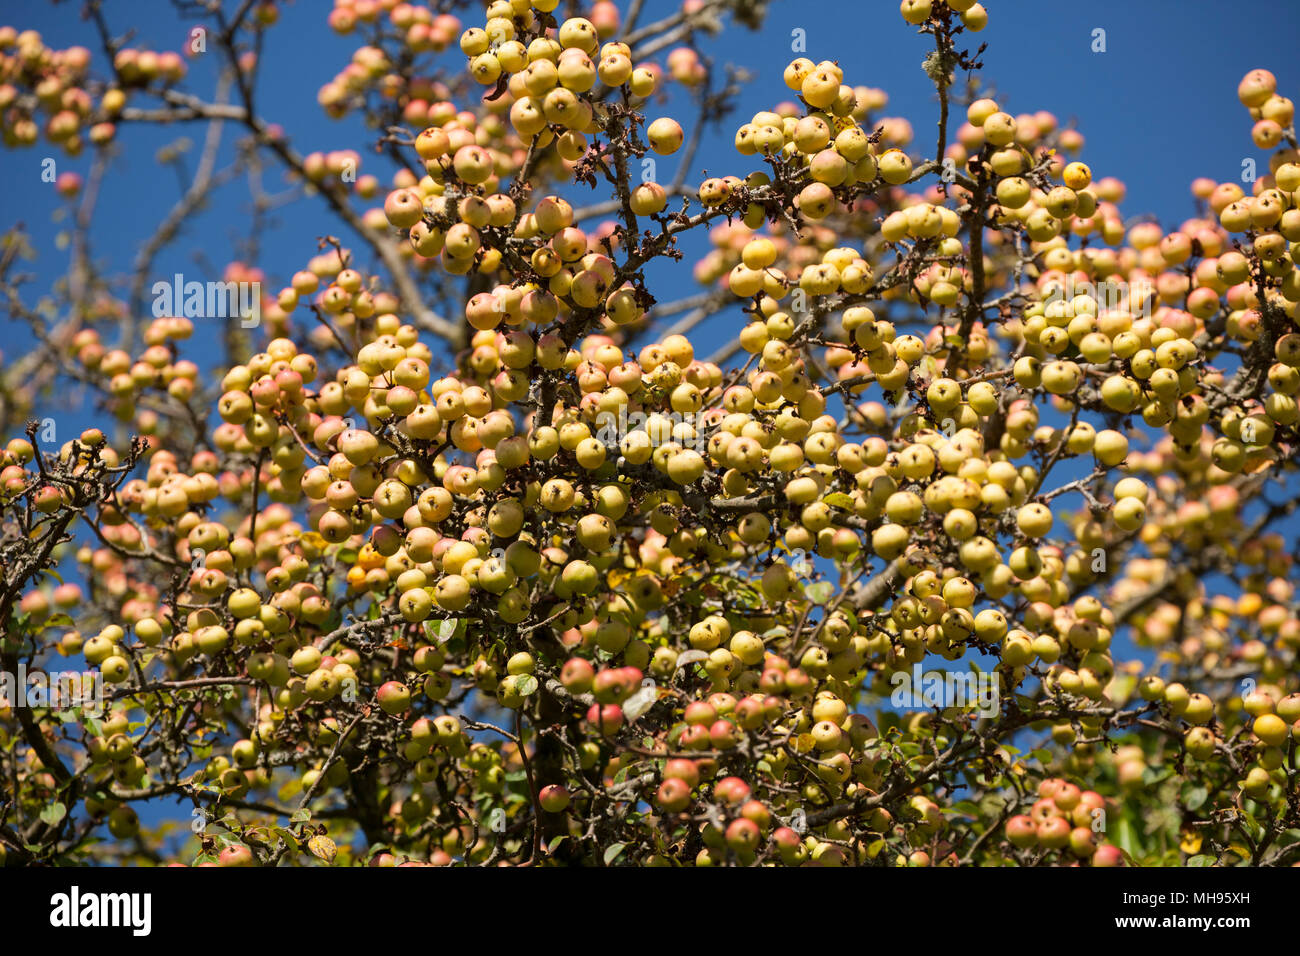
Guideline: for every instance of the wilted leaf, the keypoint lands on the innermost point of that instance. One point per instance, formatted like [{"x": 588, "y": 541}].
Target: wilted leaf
[
  {"x": 686, "y": 658},
  {"x": 640, "y": 702},
  {"x": 291, "y": 787},
  {"x": 323, "y": 848}
]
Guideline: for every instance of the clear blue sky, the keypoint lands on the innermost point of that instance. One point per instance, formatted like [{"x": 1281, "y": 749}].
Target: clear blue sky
[{"x": 1158, "y": 108}]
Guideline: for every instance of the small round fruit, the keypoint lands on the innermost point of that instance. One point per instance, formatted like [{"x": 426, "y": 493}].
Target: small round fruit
[
  {"x": 394, "y": 697},
  {"x": 1271, "y": 729},
  {"x": 665, "y": 136},
  {"x": 553, "y": 798}
]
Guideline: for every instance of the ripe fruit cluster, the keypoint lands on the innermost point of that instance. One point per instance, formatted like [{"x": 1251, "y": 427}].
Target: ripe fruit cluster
[
  {"x": 489, "y": 585},
  {"x": 1065, "y": 820},
  {"x": 46, "y": 92}
]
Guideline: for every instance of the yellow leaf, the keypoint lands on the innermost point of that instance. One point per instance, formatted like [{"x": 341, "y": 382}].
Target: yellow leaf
[
  {"x": 291, "y": 787},
  {"x": 323, "y": 848}
]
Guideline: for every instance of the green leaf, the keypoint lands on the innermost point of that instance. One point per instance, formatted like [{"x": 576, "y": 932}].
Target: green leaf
[
  {"x": 443, "y": 629},
  {"x": 820, "y": 592},
  {"x": 1152, "y": 775},
  {"x": 525, "y": 684},
  {"x": 1195, "y": 797},
  {"x": 1125, "y": 838},
  {"x": 300, "y": 816},
  {"x": 550, "y": 847},
  {"x": 838, "y": 499},
  {"x": 1201, "y": 859},
  {"x": 612, "y": 852},
  {"x": 53, "y": 813},
  {"x": 1253, "y": 825}
]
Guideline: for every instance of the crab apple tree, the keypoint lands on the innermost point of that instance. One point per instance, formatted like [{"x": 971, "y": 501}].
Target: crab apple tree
[{"x": 446, "y": 541}]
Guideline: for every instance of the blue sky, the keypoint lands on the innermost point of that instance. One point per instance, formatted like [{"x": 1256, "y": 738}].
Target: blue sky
[{"x": 1158, "y": 109}]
